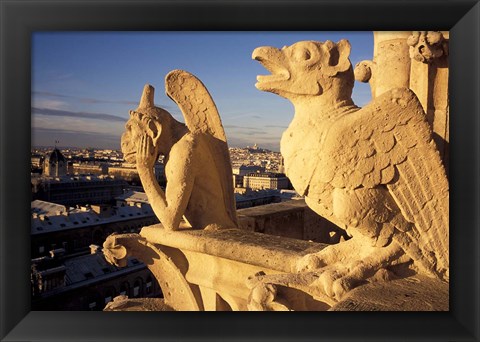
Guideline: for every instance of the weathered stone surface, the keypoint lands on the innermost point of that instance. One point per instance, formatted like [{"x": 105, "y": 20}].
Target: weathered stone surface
[
  {"x": 374, "y": 171},
  {"x": 418, "y": 293},
  {"x": 237, "y": 270},
  {"x": 426, "y": 46},
  {"x": 210, "y": 270},
  {"x": 271, "y": 252},
  {"x": 417, "y": 60}
]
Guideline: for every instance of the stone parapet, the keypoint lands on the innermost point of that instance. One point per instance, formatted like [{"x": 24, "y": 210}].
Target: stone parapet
[
  {"x": 261, "y": 250},
  {"x": 238, "y": 270}
]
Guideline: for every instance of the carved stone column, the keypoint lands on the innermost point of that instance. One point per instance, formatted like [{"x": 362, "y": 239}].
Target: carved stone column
[
  {"x": 390, "y": 55},
  {"x": 429, "y": 80},
  {"x": 417, "y": 60}
]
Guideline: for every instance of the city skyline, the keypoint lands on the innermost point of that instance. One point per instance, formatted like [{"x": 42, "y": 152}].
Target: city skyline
[{"x": 85, "y": 83}]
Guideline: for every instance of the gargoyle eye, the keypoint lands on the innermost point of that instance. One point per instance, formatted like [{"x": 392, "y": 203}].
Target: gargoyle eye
[{"x": 302, "y": 54}]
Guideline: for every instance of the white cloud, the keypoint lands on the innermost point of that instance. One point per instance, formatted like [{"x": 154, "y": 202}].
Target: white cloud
[
  {"x": 48, "y": 103},
  {"x": 77, "y": 124}
]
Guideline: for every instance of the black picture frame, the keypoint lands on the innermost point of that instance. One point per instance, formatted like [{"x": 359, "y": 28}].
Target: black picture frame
[{"x": 18, "y": 19}]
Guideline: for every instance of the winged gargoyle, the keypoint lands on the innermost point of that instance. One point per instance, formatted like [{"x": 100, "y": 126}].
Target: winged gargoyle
[
  {"x": 197, "y": 162},
  {"x": 374, "y": 171}
]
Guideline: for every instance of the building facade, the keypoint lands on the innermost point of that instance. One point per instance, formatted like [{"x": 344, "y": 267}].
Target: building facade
[
  {"x": 87, "y": 282},
  {"x": 265, "y": 180},
  {"x": 78, "y": 190},
  {"x": 69, "y": 270},
  {"x": 75, "y": 229},
  {"x": 55, "y": 164},
  {"x": 129, "y": 173},
  {"x": 88, "y": 168}
]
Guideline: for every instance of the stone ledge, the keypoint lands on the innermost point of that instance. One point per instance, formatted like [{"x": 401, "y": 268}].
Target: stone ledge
[
  {"x": 272, "y": 252},
  {"x": 416, "y": 293},
  {"x": 273, "y": 208}
]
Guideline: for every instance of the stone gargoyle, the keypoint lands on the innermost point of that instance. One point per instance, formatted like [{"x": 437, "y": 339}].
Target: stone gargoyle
[
  {"x": 197, "y": 162},
  {"x": 373, "y": 171}
]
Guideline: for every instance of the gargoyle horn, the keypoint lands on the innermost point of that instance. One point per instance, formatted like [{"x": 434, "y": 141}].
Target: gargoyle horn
[
  {"x": 335, "y": 57},
  {"x": 147, "y": 97}
]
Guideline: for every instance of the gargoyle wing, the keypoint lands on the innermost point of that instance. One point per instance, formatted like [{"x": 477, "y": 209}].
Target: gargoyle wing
[
  {"x": 390, "y": 142},
  {"x": 195, "y": 102},
  {"x": 201, "y": 116}
]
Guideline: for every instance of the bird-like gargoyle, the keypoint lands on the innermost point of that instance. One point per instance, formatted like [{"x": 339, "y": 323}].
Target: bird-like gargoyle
[
  {"x": 197, "y": 162},
  {"x": 373, "y": 171}
]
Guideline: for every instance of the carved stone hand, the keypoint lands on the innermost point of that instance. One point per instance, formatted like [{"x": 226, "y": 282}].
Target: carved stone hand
[{"x": 146, "y": 156}]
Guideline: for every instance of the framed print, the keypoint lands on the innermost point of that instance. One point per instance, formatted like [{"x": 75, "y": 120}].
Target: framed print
[{"x": 21, "y": 21}]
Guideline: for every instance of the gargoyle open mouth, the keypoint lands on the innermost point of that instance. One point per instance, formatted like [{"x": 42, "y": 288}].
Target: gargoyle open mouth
[{"x": 266, "y": 56}]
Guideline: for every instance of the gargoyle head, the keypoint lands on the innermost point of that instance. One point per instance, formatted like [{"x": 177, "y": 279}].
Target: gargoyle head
[
  {"x": 145, "y": 119},
  {"x": 306, "y": 68}
]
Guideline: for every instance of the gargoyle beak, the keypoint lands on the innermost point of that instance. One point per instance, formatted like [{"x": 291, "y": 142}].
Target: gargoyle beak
[
  {"x": 274, "y": 61},
  {"x": 264, "y": 53}
]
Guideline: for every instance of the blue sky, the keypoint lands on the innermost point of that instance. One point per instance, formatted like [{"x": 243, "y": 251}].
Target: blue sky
[{"x": 85, "y": 83}]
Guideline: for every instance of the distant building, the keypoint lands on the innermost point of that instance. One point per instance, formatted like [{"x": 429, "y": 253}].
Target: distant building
[
  {"x": 237, "y": 181},
  {"x": 243, "y": 170},
  {"x": 127, "y": 172},
  {"x": 131, "y": 197},
  {"x": 240, "y": 171},
  {"x": 90, "y": 153},
  {"x": 55, "y": 164},
  {"x": 56, "y": 186},
  {"x": 87, "y": 168},
  {"x": 78, "y": 189},
  {"x": 36, "y": 161},
  {"x": 86, "y": 282},
  {"x": 72, "y": 215},
  {"x": 130, "y": 174},
  {"x": 55, "y": 226},
  {"x": 265, "y": 180},
  {"x": 247, "y": 198},
  {"x": 69, "y": 271},
  {"x": 281, "y": 167},
  {"x": 256, "y": 149}
]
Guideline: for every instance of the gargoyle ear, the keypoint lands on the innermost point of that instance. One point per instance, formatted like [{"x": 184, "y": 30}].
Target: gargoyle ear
[
  {"x": 336, "y": 57},
  {"x": 344, "y": 47},
  {"x": 155, "y": 129}
]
